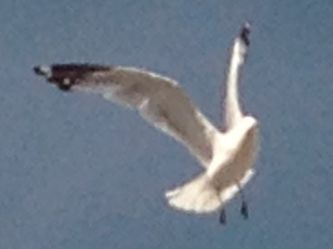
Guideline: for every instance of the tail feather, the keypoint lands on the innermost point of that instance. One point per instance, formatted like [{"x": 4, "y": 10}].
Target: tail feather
[
  {"x": 229, "y": 192},
  {"x": 198, "y": 196},
  {"x": 201, "y": 196}
]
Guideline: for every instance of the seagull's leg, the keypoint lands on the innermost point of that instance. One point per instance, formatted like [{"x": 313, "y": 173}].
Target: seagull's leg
[
  {"x": 223, "y": 217},
  {"x": 244, "y": 207},
  {"x": 245, "y": 210}
]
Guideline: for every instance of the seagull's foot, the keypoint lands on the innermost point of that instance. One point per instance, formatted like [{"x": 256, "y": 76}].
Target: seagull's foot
[
  {"x": 244, "y": 210},
  {"x": 223, "y": 217}
]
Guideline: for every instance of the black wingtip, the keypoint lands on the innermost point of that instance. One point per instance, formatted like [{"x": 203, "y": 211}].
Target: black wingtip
[
  {"x": 37, "y": 70},
  {"x": 42, "y": 71},
  {"x": 245, "y": 33},
  {"x": 66, "y": 75}
]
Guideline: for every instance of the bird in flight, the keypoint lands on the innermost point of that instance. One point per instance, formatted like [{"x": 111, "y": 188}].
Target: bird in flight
[{"x": 228, "y": 155}]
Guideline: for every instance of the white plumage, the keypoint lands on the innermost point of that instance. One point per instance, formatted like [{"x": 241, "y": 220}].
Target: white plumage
[{"x": 227, "y": 156}]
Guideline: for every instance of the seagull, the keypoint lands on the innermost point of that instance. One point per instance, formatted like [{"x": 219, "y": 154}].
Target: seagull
[{"x": 227, "y": 155}]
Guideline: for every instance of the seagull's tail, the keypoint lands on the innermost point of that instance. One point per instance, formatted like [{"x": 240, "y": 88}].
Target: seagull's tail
[
  {"x": 198, "y": 195},
  {"x": 201, "y": 196}
]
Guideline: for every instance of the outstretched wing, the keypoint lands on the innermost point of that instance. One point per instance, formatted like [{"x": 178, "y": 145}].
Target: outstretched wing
[
  {"x": 233, "y": 112},
  {"x": 158, "y": 99}
]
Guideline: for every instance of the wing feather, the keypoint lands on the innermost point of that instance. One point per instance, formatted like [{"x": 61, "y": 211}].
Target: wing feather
[
  {"x": 233, "y": 110},
  {"x": 158, "y": 99}
]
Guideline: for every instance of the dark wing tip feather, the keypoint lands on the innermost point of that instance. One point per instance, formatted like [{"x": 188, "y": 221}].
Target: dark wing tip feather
[
  {"x": 245, "y": 33},
  {"x": 66, "y": 75},
  {"x": 38, "y": 70},
  {"x": 79, "y": 68}
]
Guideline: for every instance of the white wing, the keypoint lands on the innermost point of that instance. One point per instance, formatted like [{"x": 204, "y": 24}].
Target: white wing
[
  {"x": 233, "y": 112},
  {"x": 158, "y": 99}
]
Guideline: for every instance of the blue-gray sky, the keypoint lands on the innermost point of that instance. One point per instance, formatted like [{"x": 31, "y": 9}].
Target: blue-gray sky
[{"x": 79, "y": 172}]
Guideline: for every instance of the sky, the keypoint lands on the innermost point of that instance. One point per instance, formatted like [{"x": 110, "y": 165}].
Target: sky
[{"x": 77, "y": 171}]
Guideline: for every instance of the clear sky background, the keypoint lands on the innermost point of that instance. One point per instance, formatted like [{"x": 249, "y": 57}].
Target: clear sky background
[{"x": 79, "y": 172}]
